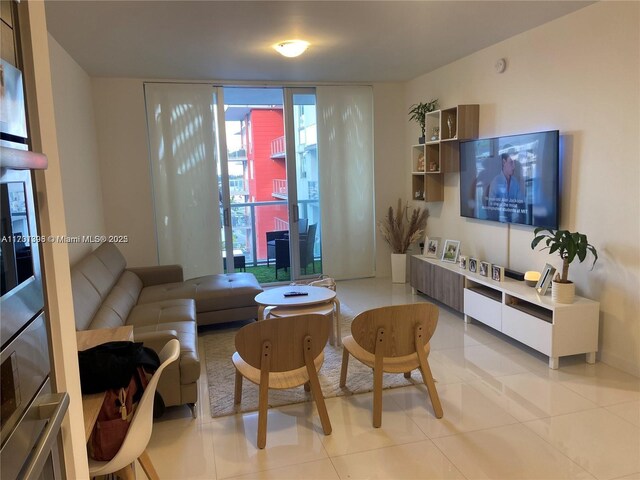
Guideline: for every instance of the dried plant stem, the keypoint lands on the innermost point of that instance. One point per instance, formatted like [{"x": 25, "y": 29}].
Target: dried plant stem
[{"x": 399, "y": 230}]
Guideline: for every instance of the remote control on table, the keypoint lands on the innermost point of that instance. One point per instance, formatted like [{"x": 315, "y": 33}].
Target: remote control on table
[{"x": 295, "y": 294}]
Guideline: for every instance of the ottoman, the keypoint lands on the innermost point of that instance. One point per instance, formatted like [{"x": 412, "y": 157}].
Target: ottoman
[{"x": 219, "y": 298}]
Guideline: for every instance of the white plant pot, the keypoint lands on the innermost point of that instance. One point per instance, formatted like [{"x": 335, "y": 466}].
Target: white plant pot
[
  {"x": 563, "y": 292},
  {"x": 399, "y": 267}
]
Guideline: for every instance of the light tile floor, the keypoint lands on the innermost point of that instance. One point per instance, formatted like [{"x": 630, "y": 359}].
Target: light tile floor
[{"x": 506, "y": 416}]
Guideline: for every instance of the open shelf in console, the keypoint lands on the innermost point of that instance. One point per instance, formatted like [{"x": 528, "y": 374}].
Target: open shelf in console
[
  {"x": 484, "y": 290},
  {"x": 529, "y": 308}
]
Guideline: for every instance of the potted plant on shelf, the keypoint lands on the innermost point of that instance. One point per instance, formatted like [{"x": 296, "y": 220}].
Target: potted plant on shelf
[
  {"x": 418, "y": 112},
  {"x": 401, "y": 230},
  {"x": 568, "y": 245}
]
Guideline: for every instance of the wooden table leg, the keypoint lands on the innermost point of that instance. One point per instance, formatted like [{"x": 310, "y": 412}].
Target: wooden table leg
[{"x": 261, "y": 312}]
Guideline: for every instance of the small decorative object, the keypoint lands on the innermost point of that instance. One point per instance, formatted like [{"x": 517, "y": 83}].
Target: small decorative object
[
  {"x": 451, "y": 125},
  {"x": 450, "y": 251},
  {"x": 473, "y": 265},
  {"x": 501, "y": 65},
  {"x": 484, "y": 268},
  {"x": 420, "y": 163},
  {"x": 400, "y": 231},
  {"x": 435, "y": 133},
  {"x": 418, "y": 195},
  {"x": 418, "y": 112},
  {"x": 568, "y": 245},
  {"x": 545, "y": 279},
  {"x": 531, "y": 278},
  {"x": 497, "y": 273},
  {"x": 433, "y": 166},
  {"x": 462, "y": 262},
  {"x": 432, "y": 247}
]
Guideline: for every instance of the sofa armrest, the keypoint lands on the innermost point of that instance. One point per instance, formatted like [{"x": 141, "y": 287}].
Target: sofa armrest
[
  {"x": 159, "y": 274},
  {"x": 155, "y": 340}
]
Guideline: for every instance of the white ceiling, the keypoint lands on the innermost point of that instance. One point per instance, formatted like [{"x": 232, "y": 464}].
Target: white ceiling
[{"x": 351, "y": 41}]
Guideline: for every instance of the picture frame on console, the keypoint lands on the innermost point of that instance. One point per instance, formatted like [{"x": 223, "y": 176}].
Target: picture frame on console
[
  {"x": 497, "y": 273},
  {"x": 432, "y": 247},
  {"x": 473, "y": 265},
  {"x": 450, "y": 251},
  {"x": 484, "y": 269},
  {"x": 545, "y": 279},
  {"x": 462, "y": 262}
]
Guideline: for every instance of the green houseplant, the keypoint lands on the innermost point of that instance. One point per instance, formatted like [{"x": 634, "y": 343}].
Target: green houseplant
[
  {"x": 418, "y": 113},
  {"x": 569, "y": 246},
  {"x": 400, "y": 230}
]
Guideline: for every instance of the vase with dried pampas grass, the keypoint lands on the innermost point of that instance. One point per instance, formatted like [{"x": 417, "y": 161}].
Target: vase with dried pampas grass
[{"x": 400, "y": 230}]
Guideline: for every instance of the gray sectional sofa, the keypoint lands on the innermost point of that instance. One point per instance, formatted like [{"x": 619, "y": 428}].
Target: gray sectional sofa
[{"x": 160, "y": 306}]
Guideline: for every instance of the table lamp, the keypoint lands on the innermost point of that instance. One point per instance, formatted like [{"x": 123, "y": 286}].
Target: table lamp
[{"x": 531, "y": 278}]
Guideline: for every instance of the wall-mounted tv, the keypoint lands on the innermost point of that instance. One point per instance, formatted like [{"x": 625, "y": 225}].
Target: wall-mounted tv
[{"x": 512, "y": 179}]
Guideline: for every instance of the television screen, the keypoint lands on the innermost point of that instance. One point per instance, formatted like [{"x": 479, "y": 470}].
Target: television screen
[{"x": 511, "y": 179}]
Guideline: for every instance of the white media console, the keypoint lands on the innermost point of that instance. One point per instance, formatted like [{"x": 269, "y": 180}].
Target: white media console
[{"x": 513, "y": 308}]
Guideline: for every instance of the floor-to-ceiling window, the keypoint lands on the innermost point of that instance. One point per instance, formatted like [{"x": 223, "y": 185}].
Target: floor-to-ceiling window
[{"x": 256, "y": 167}]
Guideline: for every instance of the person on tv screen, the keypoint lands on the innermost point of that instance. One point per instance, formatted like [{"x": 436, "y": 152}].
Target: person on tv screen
[{"x": 506, "y": 199}]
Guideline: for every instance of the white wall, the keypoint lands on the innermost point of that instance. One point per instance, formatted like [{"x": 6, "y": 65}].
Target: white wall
[
  {"x": 124, "y": 162},
  {"x": 78, "y": 149},
  {"x": 390, "y": 153},
  {"x": 578, "y": 74}
]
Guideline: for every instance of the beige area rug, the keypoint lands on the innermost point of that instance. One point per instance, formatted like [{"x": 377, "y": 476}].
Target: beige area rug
[{"x": 219, "y": 346}]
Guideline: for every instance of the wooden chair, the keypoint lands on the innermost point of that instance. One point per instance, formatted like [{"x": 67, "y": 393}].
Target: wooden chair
[
  {"x": 394, "y": 340},
  {"x": 282, "y": 353}
]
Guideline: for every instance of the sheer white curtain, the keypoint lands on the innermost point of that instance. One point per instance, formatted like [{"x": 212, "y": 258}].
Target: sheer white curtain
[
  {"x": 183, "y": 154},
  {"x": 345, "y": 149}
]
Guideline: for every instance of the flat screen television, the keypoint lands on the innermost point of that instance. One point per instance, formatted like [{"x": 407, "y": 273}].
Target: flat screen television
[{"x": 513, "y": 179}]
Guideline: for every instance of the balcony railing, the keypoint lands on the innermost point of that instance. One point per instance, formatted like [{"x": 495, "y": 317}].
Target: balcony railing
[
  {"x": 244, "y": 226},
  {"x": 279, "y": 188},
  {"x": 237, "y": 155},
  {"x": 278, "y": 148},
  {"x": 281, "y": 224}
]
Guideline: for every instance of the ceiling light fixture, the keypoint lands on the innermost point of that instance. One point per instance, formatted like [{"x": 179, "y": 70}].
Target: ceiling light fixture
[{"x": 291, "y": 48}]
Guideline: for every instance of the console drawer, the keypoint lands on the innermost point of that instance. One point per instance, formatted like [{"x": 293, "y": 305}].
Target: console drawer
[
  {"x": 482, "y": 308},
  {"x": 527, "y": 329}
]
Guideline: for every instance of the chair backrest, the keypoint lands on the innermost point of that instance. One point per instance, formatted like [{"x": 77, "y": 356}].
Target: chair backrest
[
  {"x": 306, "y": 246},
  {"x": 286, "y": 335},
  {"x": 302, "y": 226},
  {"x": 399, "y": 323},
  {"x": 141, "y": 425}
]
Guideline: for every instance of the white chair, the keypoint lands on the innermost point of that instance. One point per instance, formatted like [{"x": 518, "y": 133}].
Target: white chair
[{"x": 135, "y": 443}]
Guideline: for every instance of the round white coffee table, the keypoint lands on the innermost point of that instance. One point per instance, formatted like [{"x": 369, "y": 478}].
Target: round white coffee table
[{"x": 316, "y": 300}]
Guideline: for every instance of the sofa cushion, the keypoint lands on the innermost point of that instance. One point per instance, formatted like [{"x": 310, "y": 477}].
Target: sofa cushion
[
  {"x": 111, "y": 257},
  {"x": 86, "y": 299},
  {"x": 119, "y": 302},
  {"x": 92, "y": 280},
  {"x": 211, "y": 292},
  {"x": 162, "y": 312},
  {"x": 187, "y": 335}
]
